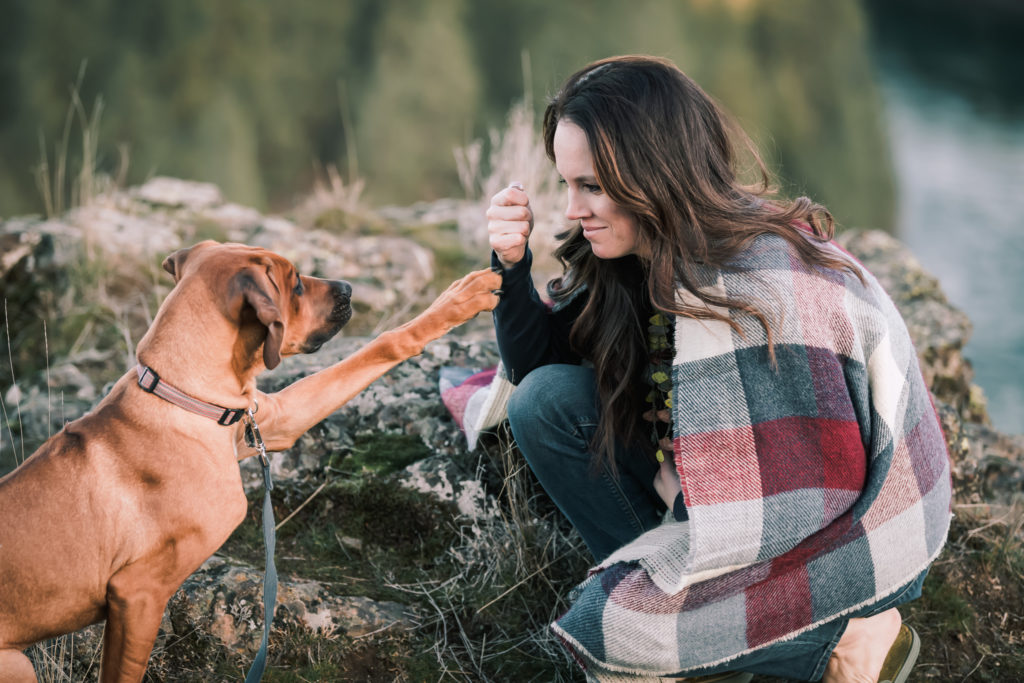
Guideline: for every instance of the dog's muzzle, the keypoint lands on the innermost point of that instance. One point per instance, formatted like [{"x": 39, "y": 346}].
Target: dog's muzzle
[{"x": 341, "y": 313}]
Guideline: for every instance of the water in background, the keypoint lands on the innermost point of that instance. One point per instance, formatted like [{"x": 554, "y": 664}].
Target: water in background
[
  {"x": 961, "y": 211},
  {"x": 955, "y": 116}
]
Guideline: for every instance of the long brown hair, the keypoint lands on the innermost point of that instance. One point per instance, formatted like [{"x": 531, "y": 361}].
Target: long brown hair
[{"x": 665, "y": 152}]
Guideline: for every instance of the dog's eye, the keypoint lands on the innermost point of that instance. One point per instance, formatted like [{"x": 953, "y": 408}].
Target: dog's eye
[{"x": 297, "y": 290}]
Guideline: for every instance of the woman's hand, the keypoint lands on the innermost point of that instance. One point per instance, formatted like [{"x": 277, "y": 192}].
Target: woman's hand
[
  {"x": 666, "y": 483},
  {"x": 509, "y": 224}
]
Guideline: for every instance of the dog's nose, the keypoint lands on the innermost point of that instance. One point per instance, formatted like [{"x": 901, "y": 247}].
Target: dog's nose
[{"x": 341, "y": 288}]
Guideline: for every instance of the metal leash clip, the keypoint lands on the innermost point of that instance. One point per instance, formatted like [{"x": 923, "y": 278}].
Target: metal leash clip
[{"x": 253, "y": 439}]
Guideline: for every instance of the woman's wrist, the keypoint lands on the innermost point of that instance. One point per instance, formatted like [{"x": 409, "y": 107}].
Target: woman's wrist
[{"x": 514, "y": 273}]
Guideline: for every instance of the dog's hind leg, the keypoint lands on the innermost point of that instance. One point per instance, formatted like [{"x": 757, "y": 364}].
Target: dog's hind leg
[{"x": 15, "y": 667}]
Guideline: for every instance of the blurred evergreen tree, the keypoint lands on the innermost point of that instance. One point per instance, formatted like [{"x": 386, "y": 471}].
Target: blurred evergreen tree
[
  {"x": 798, "y": 77},
  {"x": 252, "y": 95},
  {"x": 421, "y": 101}
]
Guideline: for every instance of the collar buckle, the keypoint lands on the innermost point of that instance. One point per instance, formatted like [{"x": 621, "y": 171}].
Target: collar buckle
[{"x": 153, "y": 382}]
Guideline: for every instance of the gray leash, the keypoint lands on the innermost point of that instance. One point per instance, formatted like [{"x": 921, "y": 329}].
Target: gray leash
[{"x": 254, "y": 440}]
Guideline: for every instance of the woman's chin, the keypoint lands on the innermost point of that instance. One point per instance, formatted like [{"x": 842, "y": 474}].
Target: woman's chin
[{"x": 606, "y": 254}]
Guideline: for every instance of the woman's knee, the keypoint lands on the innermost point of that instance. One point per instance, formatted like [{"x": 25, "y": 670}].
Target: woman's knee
[
  {"x": 552, "y": 416},
  {"x": 550, "y": 391}
]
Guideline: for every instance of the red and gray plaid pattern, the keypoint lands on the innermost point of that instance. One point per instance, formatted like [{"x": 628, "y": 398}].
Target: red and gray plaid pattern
[{"x": 814, "y": 486}]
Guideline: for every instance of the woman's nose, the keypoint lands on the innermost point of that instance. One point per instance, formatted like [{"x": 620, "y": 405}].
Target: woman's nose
[{"x": 575, "y": 209}]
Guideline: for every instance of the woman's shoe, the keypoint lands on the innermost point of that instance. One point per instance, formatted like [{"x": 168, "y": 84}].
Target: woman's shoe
[{"x": 901, "y": 657}]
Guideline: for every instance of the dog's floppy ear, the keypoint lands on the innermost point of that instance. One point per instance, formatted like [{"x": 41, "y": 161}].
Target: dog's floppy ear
[
  {"x": 173, "y": 264},
  {"x": 256, "y": 288}
]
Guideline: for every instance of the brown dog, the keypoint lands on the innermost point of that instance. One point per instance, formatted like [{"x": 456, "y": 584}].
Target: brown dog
[{"x": 116, "y": 510}]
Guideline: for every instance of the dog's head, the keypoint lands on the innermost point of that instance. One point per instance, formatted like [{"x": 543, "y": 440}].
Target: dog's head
[{"x": 266, "y": 296}]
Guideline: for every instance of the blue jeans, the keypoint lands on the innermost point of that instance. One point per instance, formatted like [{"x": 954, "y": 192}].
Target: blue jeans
[{"x": 553, "y": 415}]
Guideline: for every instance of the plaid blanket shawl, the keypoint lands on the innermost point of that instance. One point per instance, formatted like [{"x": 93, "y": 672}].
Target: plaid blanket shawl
[{"x": 814, "y": 487}]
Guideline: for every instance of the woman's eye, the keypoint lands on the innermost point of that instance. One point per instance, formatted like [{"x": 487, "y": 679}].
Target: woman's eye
[{"x": 586, "y": 187}]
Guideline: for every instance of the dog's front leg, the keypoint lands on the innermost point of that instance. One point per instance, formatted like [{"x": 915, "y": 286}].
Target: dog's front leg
[
  {"x": 133, "y": 621},
  {"x": 293, "y": 410}
]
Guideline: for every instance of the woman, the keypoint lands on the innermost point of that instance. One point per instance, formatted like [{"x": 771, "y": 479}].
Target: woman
[{"x": 726, "y": 406}]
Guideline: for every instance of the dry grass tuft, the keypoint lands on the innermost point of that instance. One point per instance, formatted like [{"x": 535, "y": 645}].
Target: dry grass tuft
[
  {"x": 62, "y": 660},
  {"x": 506, "y": 580},
  {"x": 89, "y": 183},
  {"x": 969, "y": 616},
  {"x": 334, "y": 204}
]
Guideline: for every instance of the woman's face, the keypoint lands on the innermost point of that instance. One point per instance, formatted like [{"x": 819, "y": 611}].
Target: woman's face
[{"x": 610, "y": 229}]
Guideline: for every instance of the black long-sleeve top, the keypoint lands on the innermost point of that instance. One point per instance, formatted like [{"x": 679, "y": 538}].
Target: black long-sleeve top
[{"x": 529, "y": 332}]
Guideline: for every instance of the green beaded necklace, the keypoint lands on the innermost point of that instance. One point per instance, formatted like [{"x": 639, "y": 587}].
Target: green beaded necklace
[{"x": 659, "y": 377}]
